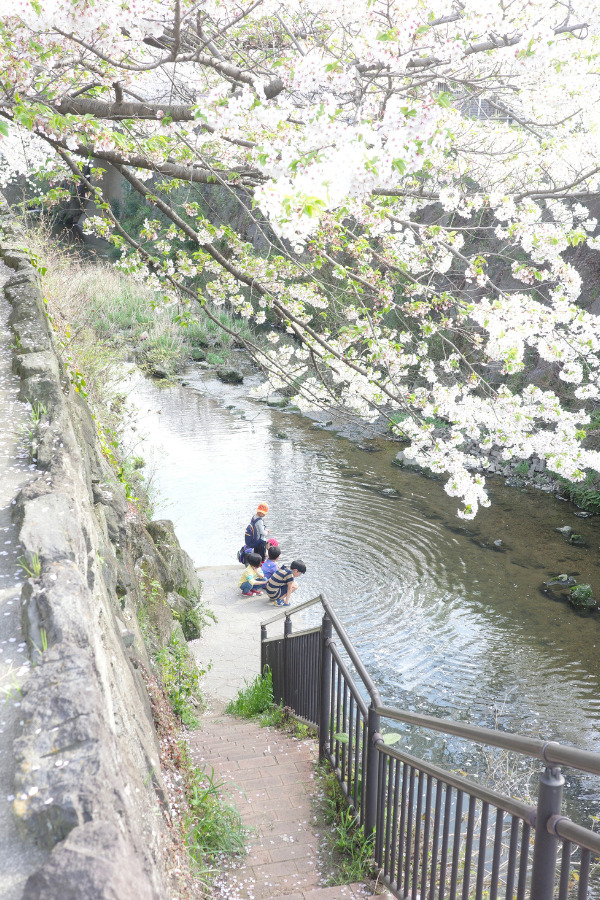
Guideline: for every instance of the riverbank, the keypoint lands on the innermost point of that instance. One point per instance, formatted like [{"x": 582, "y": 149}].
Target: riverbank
[{"x": 104, "y": 317}]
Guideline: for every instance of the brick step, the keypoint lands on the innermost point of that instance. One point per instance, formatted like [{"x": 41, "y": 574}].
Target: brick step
[{"x": 357, "y": 891}]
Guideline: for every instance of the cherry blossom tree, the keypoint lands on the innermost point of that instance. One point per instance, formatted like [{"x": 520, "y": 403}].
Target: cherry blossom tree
[{"x": 421, "y": 170}]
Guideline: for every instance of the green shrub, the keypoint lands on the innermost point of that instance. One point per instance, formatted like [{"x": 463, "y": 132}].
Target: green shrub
[
  {"x": 585, "y": 498},
  {"x": 583, "y": 493},
  {"x": 253, "y": 699},
  {"x": 396, "y": 418},
  {"x": 193, "y": 620}
]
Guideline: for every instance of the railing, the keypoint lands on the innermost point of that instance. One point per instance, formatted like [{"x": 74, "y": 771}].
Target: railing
[{"x": 436, "y": 835}]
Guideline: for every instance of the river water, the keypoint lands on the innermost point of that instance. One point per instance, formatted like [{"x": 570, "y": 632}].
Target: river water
[{"x": 445, "y": 623}]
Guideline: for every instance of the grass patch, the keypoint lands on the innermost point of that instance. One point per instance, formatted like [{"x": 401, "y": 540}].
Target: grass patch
[
  {"x": 180, "y": 677},
  {"x": 103, "y": 314},
  {"x": 253, "y": 699},
  {"x": 212, "y": 826},
  {"x": 352, "y": 850},
  {"x": 31, "y": 564},
  {"x": 583, "y": 493}
]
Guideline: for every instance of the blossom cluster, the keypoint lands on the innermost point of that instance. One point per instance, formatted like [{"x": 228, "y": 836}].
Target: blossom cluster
[{"x": 421, "y": 172}]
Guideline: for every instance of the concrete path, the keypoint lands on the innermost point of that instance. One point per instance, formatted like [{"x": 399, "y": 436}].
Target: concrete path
[
  {"x": 232, "y": 644},
  {"x": 267, "y": 775},
  {"x": 18, "y": 857}
]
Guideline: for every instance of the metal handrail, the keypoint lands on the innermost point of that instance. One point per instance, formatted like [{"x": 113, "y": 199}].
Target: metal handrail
[
  {"x": 550, "y": 752},
  {"x": 373, "y": 774},
  {"x": 349, "y": 648},
  {"x": 317, "y": 628},
  {"x": 290, "y": 611},
  {"x": 501, "y": 801},
  {"x": 569, "y": 831}
]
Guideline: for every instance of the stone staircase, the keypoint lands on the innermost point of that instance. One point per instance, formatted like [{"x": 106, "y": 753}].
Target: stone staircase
[{"x": 269, "y": 776}]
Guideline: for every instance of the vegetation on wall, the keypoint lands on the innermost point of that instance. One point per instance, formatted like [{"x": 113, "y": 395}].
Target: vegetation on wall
[{"x": 103, "y": 316}]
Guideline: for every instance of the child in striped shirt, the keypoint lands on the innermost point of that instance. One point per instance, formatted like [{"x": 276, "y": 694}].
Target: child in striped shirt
[{"x": 282, "y": 585}]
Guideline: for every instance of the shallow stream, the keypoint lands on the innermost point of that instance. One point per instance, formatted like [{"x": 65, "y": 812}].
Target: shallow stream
[{"x": 445, "y": 623}]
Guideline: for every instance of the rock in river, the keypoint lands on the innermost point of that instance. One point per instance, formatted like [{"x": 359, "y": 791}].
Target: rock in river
[{"x": 230, "y": 376}]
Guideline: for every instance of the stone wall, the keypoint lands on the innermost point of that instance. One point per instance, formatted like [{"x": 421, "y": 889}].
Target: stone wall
[{"x": 88, "y": 783}]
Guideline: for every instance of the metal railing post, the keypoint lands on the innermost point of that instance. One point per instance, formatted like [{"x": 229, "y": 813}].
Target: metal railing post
[
  {"x": 543, "y": 869},
  {"x": 325, "y": 687},
  {"x": 263, "y": 637},
  {"x": 287, "y": 630},
  {"x": 371, "y": 782}
]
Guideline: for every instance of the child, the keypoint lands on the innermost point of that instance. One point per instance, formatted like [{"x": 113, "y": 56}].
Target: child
[
  {"x": 252, "y": 576},
  {"x": 255, "y": 537},
  {"x": 270, "y": 566},
  {"x": 281, "y": 585}
]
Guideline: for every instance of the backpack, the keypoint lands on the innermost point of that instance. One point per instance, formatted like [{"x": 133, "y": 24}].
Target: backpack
[
  {"x": 241, "y": 555},
  {"x": 251, "y": 537}
]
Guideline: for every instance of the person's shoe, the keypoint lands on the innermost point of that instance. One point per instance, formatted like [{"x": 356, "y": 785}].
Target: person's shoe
[{"x": 255, "y": 593}]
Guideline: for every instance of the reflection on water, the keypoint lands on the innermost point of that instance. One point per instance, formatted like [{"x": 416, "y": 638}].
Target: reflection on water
[{"x": 445, "y": 623}]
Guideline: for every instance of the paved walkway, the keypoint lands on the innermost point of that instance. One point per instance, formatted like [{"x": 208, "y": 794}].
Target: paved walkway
[
  {"x": 232, "y": 644},
  {"x": 18, "y": 856},
  {"x": 267, "y": 774}
]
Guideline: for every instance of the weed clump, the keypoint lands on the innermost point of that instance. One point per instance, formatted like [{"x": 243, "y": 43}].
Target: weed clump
[
  {"x": 212, "y": 827},
  {"x": 253, "y": 699},
  {"x": 203, "y": 827},
  {"x": 180, "y": 677},
  {"x": 352, "y": 849},
  {"x": 193, "y": 620}
]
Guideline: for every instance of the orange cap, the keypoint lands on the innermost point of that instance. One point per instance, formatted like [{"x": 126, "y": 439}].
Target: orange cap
[{"x": 262, "y": 508}]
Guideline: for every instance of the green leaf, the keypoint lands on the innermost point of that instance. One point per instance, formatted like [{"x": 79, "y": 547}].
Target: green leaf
[
  {"x": 4, "y": 129},
  {"x": 391, "y": 737},
  {"x": 444, "y": 99},
  {"x": 342, "y": 737}
]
